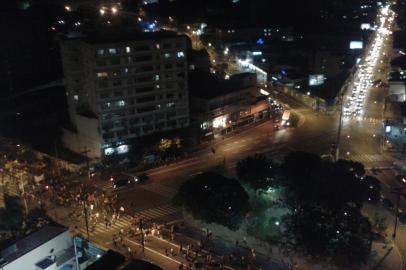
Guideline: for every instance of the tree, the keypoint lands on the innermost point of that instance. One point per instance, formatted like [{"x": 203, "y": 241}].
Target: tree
[
  {"x": 371, "y": 188},
  {"x": 164, "y": 145},
  {"x": 214, "y": 198},
  {"x": 324, "y": 200},
  {"x": 168, "y": 147},
  {"x": 11, "y": 217},
  {"x": 256, "y": 171},
  {"x": 36, "y": 218}
]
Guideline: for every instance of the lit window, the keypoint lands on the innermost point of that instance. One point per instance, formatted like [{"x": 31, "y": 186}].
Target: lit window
[
  {"x": 158, "y": 46},
  {"x": 102, "y": 74},
  {"x": 127, "y": 49},
  {"x": 120, "y": 103},
  {"x": 112, "y": 50},
  {"x": 75, "y": 97},
  {"x": 167, "y": 55},
  {"x": 157, "y": 86},
  {"x": 180, "y": 54},
  {"x": 125, "y": 70},
  {"x": 156, "y": 77},
  {"x": 100, "y": 52},
  {"x": 170, "y": 104}
]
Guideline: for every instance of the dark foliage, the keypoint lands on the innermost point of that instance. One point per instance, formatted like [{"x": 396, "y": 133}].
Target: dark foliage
[
  {"x": 324, "y": 199},
  {"x": 256, "y": 171},
  {"x": 214, "y": 198}
]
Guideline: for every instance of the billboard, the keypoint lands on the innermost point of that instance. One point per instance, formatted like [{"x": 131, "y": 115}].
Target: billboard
[
  {"x": 356, "y": 45},
  {"x": 316, "y": 79}
]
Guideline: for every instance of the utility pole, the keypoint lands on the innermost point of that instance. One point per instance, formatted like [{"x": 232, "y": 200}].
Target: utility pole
[
  {"x": 83, "y": 198},
  {"x": 86, "y": 218},
  {"x": 399, "y": 192}
]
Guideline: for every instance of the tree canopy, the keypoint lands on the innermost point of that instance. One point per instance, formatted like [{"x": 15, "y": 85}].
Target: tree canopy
[
  {"x": 214, "y": 198},
  {"x": 324, "y": 200},
  {"x": 256, "y": 171}
]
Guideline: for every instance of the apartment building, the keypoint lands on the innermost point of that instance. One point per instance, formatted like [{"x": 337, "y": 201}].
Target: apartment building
[{"x": 122, "y": 86}]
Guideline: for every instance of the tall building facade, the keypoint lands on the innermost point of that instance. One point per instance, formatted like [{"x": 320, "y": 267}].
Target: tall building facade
[{"x": 125, "y": 86}]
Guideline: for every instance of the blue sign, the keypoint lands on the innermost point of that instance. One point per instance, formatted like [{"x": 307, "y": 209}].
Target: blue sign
[{"x": 260, "y": 41}]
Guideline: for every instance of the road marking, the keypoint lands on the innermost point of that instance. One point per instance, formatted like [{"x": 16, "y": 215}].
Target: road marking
[{"x": 193, "y": 174}]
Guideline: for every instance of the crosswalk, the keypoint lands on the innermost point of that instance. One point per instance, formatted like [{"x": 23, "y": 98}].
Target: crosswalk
[
  {"x": 100, "y": 228},
  {"x": 157, "y": 188},
  {"x": 155, "y": 214}
]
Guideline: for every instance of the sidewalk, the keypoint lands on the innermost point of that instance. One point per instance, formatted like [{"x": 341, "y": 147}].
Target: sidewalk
[{"x": 387, "y": 254}]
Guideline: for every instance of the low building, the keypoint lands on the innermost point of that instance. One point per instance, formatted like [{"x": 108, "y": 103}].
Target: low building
[
  {"x": 397, "y": 91},
  {"x": 218, "y": 104},
  {"x": 51, "y": 247}
]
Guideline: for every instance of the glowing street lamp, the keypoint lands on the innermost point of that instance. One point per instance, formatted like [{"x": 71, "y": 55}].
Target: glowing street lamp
[
  {"x": 114, "y": 10},
  {"x": 102, "y": 11},
  {"x": 68, "y": 8}
]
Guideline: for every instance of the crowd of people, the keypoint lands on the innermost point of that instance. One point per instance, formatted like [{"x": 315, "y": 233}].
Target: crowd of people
[{"x": 99, "y": 207}]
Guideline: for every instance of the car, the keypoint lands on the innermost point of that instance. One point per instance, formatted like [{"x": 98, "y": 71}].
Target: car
[{"x": 122, "y": 180}]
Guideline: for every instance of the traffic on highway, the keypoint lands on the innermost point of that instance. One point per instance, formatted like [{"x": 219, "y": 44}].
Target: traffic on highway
[{"x": 354, "y": 105}]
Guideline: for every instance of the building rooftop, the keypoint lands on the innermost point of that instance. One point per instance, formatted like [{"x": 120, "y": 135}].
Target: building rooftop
[
  {"x": 206, "y": 85},
  {"x": 114, "y": 35},
  {"x": 30, "y": 242}
]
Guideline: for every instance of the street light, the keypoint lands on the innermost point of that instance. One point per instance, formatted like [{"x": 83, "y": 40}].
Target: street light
[
  {"x": 114, "y": 10},
  {"x": 68, "y": 8},
  {"x": 102, "y": 11}
]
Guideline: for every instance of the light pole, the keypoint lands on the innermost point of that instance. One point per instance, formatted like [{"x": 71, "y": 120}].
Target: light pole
[
  {"x": 341, "y": 100},
  {"x": 85, "y": 152}
]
